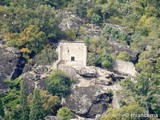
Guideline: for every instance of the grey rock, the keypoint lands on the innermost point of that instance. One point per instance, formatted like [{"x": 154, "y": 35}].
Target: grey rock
[
  {"x": 104, "y": 82},
  {"x": 1, "y": 118},
  {"x": 27, "y": 68},
  {"x": 111, "y": 78},
  {"x": 69, "y": 71},
  {"x": 40, "y": 69},
  {"x": 86, "y": 72},
  {"x": 115, "y": 77},
  {"x": 29, "y": 76},
  {"x": 116, "y": 48},
  {"x": 8, "y": 63},
  {"x": 3, "y": 42},
  {"x": 81, "y": 118},
  {"x": 12, "y": 49},
  {"x": 33, "y": 78},
  {"x": 88, "y": 101},
  {"x": 29, "y": 86},
  {"x": 50, "y": 118},
  {"x": 42, "y": 83},
  {"x": 126, "y": 68},
  {"x": 70, "y": 20}
]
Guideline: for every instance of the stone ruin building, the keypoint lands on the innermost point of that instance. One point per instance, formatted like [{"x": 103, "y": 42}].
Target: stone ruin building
[{"x": 72, "y": 53}]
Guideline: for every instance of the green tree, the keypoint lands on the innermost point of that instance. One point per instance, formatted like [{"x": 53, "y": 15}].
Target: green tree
[
  {"x": 5, "y": 2},
  {"x": 104, "y": 61},
  {"x": 31, "y": 38},
  {"x": 95, "y": 18},
  {"x": 36, "y": 112},
  {"x": 11, "y": 101},
  {"x": 59, "y": 84},
  {"x": 71, "y": 34},
  {"x": 81, "y": 8},
  {"x": 1, "y": 108},
  {"x": 47, "y": 56},
  {"x": 50, "y": 103},
  {"x": 123, "y": 56},
  {"x": 157, "y": 67},
  {"x": 57, "y": 3},
  {"x": 128, "y": 112},
  {"x": 144, "y": 65},
  {"x": 145, "y": 91},
  {"x": 23, "y": 103},
  {"x": 64, "y": 114}
]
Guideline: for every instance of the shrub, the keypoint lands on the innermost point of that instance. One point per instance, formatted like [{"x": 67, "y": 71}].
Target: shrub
[
  {"x": 116, "y": 34},
  {"x": 47, "y": 56},
  {"x": 50, "y": 103},
  {"x": 124, "y": 113},
  {"x": 106, "y": 64},
  {"x": 104, "y": 61},
  {"x": 1, "y": 108},
  {"x": 157, "y": 68},
  {"x": 90, "y": 59},
  {"x": 71, "y": 34},
  {"x": 64, "y": 114},
  {"x": 59, "y": 84},
  {"x": 144, "y": 65},
  {"x": 123, "y": 56},
  {"x": 95, "y": 18}
]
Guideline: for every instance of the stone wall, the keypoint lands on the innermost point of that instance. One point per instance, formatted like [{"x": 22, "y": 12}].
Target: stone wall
[{"x": 72, "y": 53}]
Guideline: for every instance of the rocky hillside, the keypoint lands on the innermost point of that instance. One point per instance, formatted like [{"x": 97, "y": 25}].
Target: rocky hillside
[
  {"x": 91, "y": 94},
  {"x": 122, "y": 75},
  {"x": 9, "y": 64}
]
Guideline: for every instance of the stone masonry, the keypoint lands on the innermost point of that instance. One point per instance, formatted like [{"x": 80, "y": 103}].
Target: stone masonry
[{"x": 72, "y": 53}]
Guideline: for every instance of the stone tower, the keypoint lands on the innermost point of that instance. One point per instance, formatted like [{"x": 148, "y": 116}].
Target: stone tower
[{"x": 72, "y": 53}]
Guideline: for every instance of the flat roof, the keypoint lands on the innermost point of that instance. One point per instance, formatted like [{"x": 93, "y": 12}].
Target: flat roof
[{"x": 71, "y": 41}]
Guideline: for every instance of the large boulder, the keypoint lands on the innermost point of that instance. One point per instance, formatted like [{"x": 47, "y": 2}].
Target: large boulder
[
  {"x": 69, "y": 71},
  {"x": 31, "y": 76},
  {"x": 8, "y": 64},
  {"x": 86, "y": 71},
  {"x": 36, "y": 77},
  {"x": 123, "y": 67},
  {"x": 88, "y": 101}
]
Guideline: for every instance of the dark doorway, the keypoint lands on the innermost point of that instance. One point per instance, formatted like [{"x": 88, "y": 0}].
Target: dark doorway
[{"x": 72, "y": 58}]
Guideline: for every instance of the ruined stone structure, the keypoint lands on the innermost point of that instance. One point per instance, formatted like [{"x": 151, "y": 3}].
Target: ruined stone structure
[{"x": 72, "y": 53}]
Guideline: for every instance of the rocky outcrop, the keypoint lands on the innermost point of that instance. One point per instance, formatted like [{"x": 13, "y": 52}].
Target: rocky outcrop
[
  {"x": 90, "y": 96},
  {"x": 91, "y": 75},
  {"x": 123, "y": 67},
  {"x": 90, "y": 30},
  {"x": 36, "y": 77},
  {"x": 70, "y": 20},
  {"x": 30, "y": 76},
  {"x": 86, "y": 72},
  {"x": 82, "y": 118},
  {"x": 88, "y": 101},
  {"x": 8, "y": 64},
  {"x": 87, "y": 98},
  {"x": 76, "y": 118},
  {"x": 19, "y": 67},
  {"x": 50, "y": 118},
  {"x": 40, "y": 69},
  {"x": 116, "y": 48}
]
